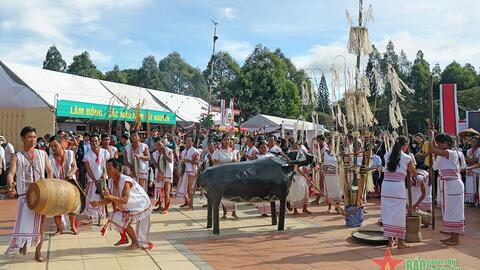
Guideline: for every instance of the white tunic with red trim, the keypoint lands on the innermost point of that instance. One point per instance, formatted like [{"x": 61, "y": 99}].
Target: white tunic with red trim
[
  {"x": 137, "y": 209},
  {"x": 453, "y": 212},
  {"x": 472, "y": 177},
  {"x": 98, "y": 167},
  {"x": 394, "y": 198},
  {"x": 190, "y": 170},
  {"x": 27, "y": 224},
  {"x": 142, "y": 164}
]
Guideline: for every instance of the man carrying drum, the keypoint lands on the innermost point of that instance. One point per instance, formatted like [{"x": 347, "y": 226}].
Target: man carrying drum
[
  {"x": 28, "y": 166},
  {"x": 64, "y": 166}
]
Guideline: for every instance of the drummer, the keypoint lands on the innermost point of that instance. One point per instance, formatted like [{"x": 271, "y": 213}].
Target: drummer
[
  {"x": 28, "y": 166},
  {"x": 64, "y": 166}
]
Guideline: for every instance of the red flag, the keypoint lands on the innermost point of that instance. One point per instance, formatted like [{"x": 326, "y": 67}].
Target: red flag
[{"x": 449, "y": 109}]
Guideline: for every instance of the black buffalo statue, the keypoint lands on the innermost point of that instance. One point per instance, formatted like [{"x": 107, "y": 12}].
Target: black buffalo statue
[{"x": 268, "y": 179}]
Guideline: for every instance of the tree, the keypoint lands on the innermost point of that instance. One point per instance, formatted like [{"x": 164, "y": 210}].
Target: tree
[
  {"x": 323, "y": 96},
  {"x": 468, "y": 78},
  {"x": 436, "y": 76},
  {"x": 416, "y": 105},
  {"x": 179, "y": 77},
  {"x": 225, "y": 73},
  {"x": 389, "y": 57},
  {"x": 452, "y": 73},
  {"x": 131, "y": 75},
  {"x": 83, "y": 66},
  {"x": 54, "y": 61},
  {"x": 404, "y": 66},
  {"x": 264, "y": 86},
  {"x": 374, "y": 63},
  {"x": 148, "y": 74},
  {"x": 116, "y": 75}
]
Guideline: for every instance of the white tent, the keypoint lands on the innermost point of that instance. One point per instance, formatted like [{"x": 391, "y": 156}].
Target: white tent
[
  {"x": 272, "y": 123},
  {"x": 187, "y": 108}
]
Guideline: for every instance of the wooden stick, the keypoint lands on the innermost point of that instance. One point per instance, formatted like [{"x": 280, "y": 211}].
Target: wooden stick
[
  {"x": 431, "y": 177},
  {"x": 408, "y": 179}
]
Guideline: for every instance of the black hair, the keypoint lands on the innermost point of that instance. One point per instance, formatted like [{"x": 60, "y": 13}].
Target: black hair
[
  {"x": 396, "y": 153},
  {"x": 225, "y": 135},
  {"x": 27, "y": 130},
  {"x": 115, "y": 163},
  {"x": 133, "y": 132},
  {"x": 93, "y": 135},
  {"x": 157, "y": 139},
  {"x": 251, "y": 138},
  {"x": 125, "y": 136},
  {"x": 54, "y": 138},
  {"x": 272, "y": 136},
  {"x": 444, "y": 138},
  {"x": 60, "y": 132},
  {"x": 47, "y": 136},
  {"x": 260, "y": 143},
  {"x": 320, "y": 137},
  {"x": 105, "y": 135},
  {"x": 420, "y": 135},
  {"x": 40, "y": 139},
  {"x": 86, "y": 134}
]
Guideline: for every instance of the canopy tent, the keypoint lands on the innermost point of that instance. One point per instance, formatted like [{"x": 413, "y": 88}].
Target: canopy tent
[
  {"x": 29, "y": 87},
  {"x": 272, "y": 123},
  {"x": 187, "y": 108}
]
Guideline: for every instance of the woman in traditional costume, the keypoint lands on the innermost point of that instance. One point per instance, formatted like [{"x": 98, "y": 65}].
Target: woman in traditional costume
[
  {"x": 449, "y": 163},
  {"x": 393, "y": 196}
]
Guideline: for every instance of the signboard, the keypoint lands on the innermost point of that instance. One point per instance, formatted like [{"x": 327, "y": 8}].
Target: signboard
[
  {"x": 448, "y": 109},
  {"x": 74, "y": 109},
  {"x": 473, "y": 120}
]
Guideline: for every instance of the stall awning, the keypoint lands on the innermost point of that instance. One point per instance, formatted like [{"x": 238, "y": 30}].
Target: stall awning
[{"x": 271, "y": 123}]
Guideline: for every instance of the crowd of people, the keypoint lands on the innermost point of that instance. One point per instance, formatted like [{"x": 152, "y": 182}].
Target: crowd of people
[{"x": 140, "y": 175}]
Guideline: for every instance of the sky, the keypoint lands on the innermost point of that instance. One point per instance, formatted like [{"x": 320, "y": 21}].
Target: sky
[{"x": 310, "y": 32}]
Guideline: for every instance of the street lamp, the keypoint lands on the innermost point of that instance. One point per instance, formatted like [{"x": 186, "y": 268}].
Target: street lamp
[{"x": 212, "y": 66}]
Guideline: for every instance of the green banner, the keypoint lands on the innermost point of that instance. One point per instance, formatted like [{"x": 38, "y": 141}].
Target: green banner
[{"x": 74, "y": 109}]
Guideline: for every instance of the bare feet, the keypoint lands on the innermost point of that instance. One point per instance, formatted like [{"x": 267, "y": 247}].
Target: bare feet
[
  {"x": 452, "y": 243},
  {"x": 57, "y": 233},
  {"x": 23, "y": 250},
  {"x": 234, "y": 215},
  {"x": 186, "y": 204},
  {"x": 121, "y": 242},
  {"x": 402, "y": 245},
  {"x": 391, "y": 243},
  {"x": 39, "y": 258},
  {"x": 224, "y": 217},
  {"x": 158, "y": 209},
  {"x": 295, "y": 212},
  {"x": 133, "y": 246},
  {"x": 446, "y": 240},
  {"x": 328, "y": 212},
  {"x": 164, "y": 212},
  {"x": 315, "y": 203},
  {"x": 264, "y": 215},
  {"x": 306, "y": 211},
  {"x": 74, "y": 231}
]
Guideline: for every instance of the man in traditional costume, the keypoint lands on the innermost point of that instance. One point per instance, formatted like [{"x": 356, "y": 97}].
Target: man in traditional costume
[
  {"x": 64, "y": 166},
  {"x": 186, "y": 185},
  {"x": 28, "y": 166},
  {"x": 449, "y": 163},
  {"x": 95, "y": 165},
  {"x": 130, "y": 204},
  {"x": 163, "y": 158},
  {"x": 137, "y": 159},
  {"x": 318, "y": 149}
]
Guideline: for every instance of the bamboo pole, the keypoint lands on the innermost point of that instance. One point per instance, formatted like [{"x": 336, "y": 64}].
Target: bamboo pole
[{"x": 431, "y": 177}]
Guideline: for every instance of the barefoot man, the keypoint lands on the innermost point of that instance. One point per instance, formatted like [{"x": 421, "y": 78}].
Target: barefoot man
[
  {"x": 64, "y": 166},
  {"x": 29, "y": 165},
  {"x": 163, "y": 174},
  {"x": 130, "y": 204},
  {"x": 138, "y": 157}
]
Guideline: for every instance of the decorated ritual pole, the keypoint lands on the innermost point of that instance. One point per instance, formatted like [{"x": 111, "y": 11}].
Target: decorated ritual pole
[{"x": 431, "y": 177}]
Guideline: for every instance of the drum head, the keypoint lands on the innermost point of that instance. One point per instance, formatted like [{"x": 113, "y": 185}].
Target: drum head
[{"x": 370, "y": 237}]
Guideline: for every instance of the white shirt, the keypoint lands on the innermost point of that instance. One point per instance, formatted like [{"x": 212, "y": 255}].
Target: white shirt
[
  {"x": 474, "y": 154},
  {"x": 228, "y": 155},
  {"x": 60, "y": 172},
  {"x": 169, "y": 168},
  {"x": 252, "y": 151},
  {"x": 190, "y": 154},
  {"x": 97, "y": 167},
  {"x": 9, "y": 151},
  {"x": 2, "y": 158},
  {"x": 143, "y": 164},
  {"x": 275, "y": 149},
  {"x": 402, "y": 165},
  {"x": 260, "y": 156}
]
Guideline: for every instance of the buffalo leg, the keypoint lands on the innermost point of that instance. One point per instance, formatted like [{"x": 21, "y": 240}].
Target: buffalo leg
[
  {"x": 283, "y": 200},
  {"x": 209, "y": 213},
  {"x": 216, "y": 216},
  {"x": 273, "y": 209}
]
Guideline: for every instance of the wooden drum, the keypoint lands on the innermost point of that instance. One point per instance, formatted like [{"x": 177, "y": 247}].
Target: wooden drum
[{"x": 53, "y": 197}]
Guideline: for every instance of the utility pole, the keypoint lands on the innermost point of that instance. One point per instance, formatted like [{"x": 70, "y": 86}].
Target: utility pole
[{"x": 212, "y": 66}]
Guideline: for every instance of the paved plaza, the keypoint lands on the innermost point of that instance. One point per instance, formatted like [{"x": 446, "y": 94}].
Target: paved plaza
[{"x": 317, "y": 241}]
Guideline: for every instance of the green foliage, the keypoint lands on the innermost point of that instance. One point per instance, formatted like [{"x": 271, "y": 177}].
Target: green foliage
[
  {"x": 179, "y": 77},
  {"x": 54, "y": 61},
  {"x": 323, "y": 96},
  {"x": 132, "y": 76},
  {"x": 116, "y": 75},
  {"x": 265, "y": 87},
  {"x": 465, "y": 77},
  {"x": 83, "y": 66},
  {"x": 225, "y": 74},
  {"x": 206, "y": 121},
  {"x": 148, "y": 74}
]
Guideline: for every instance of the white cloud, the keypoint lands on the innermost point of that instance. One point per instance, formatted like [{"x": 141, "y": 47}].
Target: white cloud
[
  {"x": 229, "y": 13},
  {"x": 238, "y": 50}
]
